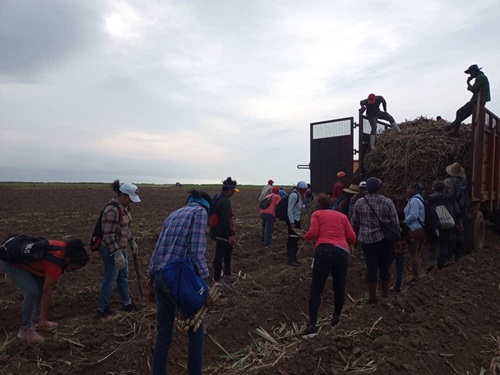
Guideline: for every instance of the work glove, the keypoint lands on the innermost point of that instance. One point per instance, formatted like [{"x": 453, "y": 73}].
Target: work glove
[
  {"x": 132, "y": 246},
  {"x": 120, "y": 261}
]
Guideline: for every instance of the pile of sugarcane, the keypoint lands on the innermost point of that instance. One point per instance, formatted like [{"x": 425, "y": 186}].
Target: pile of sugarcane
[
  {"x": 420, "y": 152},
  {"x": 195, "y": 321}
]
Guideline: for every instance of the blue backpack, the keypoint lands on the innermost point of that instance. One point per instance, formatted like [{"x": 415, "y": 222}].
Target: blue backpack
[{"x": 188, "y": 290}]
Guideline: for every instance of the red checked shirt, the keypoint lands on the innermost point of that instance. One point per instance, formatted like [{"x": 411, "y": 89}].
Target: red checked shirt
[
  {"x": 116, "y": 227},
  {"x": 364, "y": 218},
  {"x": 402, "y": 249}
]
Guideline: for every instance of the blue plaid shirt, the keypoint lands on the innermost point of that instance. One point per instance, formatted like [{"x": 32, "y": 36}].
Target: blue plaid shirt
[{"x": 183, "y": 233}]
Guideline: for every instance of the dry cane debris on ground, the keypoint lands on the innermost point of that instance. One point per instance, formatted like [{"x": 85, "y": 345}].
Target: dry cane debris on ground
[{"x": 420, "y": 152}]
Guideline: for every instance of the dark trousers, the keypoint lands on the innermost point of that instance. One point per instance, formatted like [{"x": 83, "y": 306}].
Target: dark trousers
[
  {"x": 292, "y": 243},
  {"x": 462, "y": 113},
  {"x": 400, "y": 270},
  {"x": 381, "y": 115},
  {"x": 328, "y": 259},
  {"x": 165, "y": 315},
  {"x": 267, "y": 228},
  {"x": 377, "y": 256},
  {"x": 223, "y": 252},
  {"x": 443, "y": 242}
]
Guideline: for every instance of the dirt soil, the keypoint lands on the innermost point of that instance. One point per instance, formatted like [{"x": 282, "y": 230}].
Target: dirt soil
[{"x": 449, "y": 323}]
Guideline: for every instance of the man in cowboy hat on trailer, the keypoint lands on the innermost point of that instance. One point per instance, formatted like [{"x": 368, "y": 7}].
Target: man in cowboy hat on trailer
[
  {"x": 481, "y": 84},
  {"x": 456, "y": 187},
  {"x": 372, "y": 107}
]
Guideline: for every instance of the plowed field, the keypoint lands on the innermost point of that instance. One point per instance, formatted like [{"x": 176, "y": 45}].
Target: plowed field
[{"x": 449, "y": 323}]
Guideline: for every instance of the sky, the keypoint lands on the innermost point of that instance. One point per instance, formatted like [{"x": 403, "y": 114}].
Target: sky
[{"x": 196, "y": 91}]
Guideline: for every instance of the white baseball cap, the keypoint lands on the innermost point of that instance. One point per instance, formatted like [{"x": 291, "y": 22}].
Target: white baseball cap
[
  {"x": 362, "y": 184},
  {"x": 301, "y": 185},
  {"x": 131, "y": 190}
]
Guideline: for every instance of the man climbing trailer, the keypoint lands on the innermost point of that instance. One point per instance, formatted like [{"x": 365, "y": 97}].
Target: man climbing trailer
[{"x": 372, "y": 107}]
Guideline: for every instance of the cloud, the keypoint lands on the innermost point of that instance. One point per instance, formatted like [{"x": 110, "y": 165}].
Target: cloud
[{"x": 202, "y": 90}]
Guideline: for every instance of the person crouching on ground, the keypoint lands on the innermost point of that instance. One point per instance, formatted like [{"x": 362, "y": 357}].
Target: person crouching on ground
[
  {"x": 333, "y": 234},
  {"x": 268, "y": 216},
  {"x": 116, "y": 239},
  {"x": 223, "y": 232},
  {"x": 37, "y": 280},
  {"x": 183, "y": 234},
  {"x": 400, "y": 250},
  {"x": 294, "y": 211},
  {"x": 366, "y": 217}
]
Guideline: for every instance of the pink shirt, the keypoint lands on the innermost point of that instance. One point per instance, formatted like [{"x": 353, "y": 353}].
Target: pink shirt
[
  {"x": 331, "y": 227},
  {"x": 271, "y": 209}
]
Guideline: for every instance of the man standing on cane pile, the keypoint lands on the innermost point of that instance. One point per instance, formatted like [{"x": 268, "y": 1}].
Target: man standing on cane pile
[
  {"x": 372, "y": 107},
  {"x": 481, "y": 84},
  {"x": 183, "y": 234}
]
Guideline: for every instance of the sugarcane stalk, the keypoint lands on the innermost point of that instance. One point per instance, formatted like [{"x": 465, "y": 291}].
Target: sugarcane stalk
[
  {"x": 204, "y": 310},
  {"x": 191, "y": 321}
]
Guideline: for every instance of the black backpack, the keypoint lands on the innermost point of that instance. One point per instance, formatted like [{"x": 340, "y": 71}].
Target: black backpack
[
  {"x": 22, "y": 249},
  {"x": 431, "y": 222},
  {"x": 95, "y": 241},
  {"x": 213, "y": 218},
  {"x": 282, "y": 207},
  {"x": 266, "y": 202}
]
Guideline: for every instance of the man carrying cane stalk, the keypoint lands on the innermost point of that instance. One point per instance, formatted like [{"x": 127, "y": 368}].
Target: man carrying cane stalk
[{"x": 183, "y": 234}]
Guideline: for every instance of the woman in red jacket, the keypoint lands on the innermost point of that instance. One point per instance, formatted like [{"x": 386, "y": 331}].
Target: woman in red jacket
[{"x": 333, "y": 234}]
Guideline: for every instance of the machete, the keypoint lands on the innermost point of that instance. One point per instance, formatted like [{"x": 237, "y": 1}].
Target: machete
[{"x": 138, "y": 275}]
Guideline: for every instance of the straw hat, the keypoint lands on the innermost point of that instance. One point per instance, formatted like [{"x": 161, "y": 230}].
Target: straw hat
[
  {"x": 455, "y": 170},
  {"x": 353, "y": 189}
]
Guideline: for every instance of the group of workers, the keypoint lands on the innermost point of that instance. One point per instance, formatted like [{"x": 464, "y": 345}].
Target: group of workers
[{"x": 349, "y": 217}]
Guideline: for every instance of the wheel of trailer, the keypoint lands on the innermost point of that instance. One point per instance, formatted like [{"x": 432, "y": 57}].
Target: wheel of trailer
[{"x": 475, "y": 232}]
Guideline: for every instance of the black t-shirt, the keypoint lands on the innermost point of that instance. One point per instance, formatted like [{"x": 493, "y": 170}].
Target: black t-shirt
[{"x": 372, "y": 109}]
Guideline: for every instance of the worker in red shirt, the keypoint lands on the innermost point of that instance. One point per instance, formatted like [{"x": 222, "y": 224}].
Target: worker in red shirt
[
  {"x": 37, "y": 280},
  {"x": 338, "y": 189},
  {"x": 333, "y": 234}
]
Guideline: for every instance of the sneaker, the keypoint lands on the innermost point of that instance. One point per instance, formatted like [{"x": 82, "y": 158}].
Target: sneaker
[
  {"x": 50, "y": 326},
  {"x": 292, "y": 263},
  {"x": 105, "y": 314},
  {"x": 130, "y": 307},
  {"x": 230, "y": 278},
  {"x": 30, "y": 335},
  {"x": 220, "y": 283},
  {"x": 335, "y": 320},
  {"x": 310, "y": 332}
]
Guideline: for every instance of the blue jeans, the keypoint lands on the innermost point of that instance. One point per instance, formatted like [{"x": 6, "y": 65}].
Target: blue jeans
[
  {"x": 32, "y": 287},
  {"x": 113, "y": 276},
  {"x": 267, "y": 228},
  {"x": 165, "y": 318},
  {"x": 400, "y": 269}
]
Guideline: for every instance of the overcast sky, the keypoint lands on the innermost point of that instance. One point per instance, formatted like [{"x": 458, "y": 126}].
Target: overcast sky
[{"x": 195, "y": 91}]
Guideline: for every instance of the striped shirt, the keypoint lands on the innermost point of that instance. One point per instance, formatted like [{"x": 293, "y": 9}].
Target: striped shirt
[
  {"x": 364, "y": 218},
  {"x": 183, "y": 234},
  {"x": 115, "y": 231}
]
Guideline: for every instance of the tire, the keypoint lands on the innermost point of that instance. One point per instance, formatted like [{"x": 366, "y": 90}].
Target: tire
[{"x": 475, "y": 233}]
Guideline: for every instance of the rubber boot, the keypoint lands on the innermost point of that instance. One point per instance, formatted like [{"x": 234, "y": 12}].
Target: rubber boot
[
  {"x": 372, "y": 293},
  {"x": 395, "y": 127},
  {"x": 384, "y": 286},
  {"x": 372, "y": 142}
]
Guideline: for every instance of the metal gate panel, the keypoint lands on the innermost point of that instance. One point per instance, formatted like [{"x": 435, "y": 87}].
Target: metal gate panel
[{"x": 331, "y": 152}]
